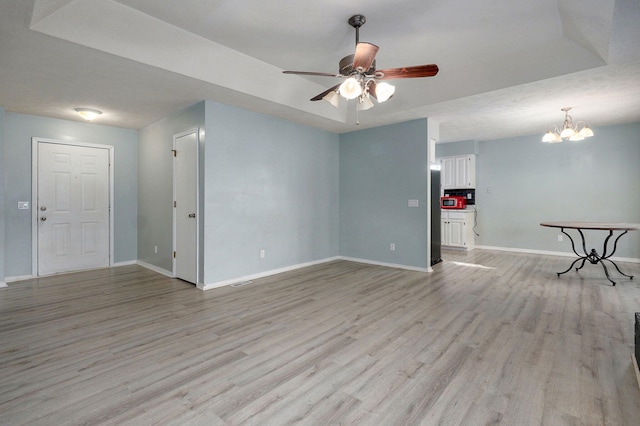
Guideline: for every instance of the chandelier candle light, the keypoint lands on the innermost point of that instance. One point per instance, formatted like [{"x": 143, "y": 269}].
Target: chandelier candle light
[{"x": 573, "y": 132}]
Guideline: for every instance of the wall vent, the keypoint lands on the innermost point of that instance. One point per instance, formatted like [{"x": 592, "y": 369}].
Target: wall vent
[{"x": 240, "y": 284}]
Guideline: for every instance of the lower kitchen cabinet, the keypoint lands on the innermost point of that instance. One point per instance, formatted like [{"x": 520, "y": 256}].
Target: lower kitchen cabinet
[{"x": 457, "y": 229}]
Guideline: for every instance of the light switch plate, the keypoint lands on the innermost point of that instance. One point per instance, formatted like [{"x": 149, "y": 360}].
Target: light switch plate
[
  {"x": 413, "y": 203},
  {"x": 23, "y": 205}
]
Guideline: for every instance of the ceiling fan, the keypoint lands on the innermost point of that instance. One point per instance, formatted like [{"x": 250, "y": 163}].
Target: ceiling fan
[{"x": 361, "y": 79}]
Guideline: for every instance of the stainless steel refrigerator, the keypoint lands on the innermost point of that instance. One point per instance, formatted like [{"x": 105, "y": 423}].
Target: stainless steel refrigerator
[{"x": 435, "y": 217}]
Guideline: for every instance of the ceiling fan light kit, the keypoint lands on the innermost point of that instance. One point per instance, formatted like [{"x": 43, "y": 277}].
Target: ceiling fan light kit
[
  {"x": 333, "y": 98},
  {"x": 384, "y": 91},
  {"x": 362, "y": 80},
  {"x": 365, "y": 103},
  {"x": 570, "y": 131},
  {"x": 350, "y": 88}
]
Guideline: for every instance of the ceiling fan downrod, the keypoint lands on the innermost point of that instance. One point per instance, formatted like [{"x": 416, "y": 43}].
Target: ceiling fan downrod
[{"x": 356, "y": 21}]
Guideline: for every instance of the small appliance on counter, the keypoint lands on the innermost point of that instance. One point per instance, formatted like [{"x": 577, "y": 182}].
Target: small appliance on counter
[
  {"x": 453, "y": 202},
  {"x": 469, "y": 194}
]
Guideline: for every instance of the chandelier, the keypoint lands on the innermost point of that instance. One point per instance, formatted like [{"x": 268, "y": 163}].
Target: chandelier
[{"x": 573, "y": 132}]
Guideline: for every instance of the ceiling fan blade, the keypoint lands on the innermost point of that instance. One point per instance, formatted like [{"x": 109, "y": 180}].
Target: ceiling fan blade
[
  {"x": 323, "y": 94},
  {"x": 409, "y": 72},
  {"x": 364, "y": 57},
  {"x": 321, "y": 74}
]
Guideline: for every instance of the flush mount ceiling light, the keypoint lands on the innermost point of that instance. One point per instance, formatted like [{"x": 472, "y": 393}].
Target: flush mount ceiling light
[
  {"x": 573, "y": 132},
  {"x": 362, "y": 80},
  {"x": 88, "y": 113}
]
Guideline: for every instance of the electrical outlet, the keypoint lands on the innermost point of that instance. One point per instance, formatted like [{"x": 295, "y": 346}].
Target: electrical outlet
[
  {"x": 559, "y": 237},
  {"x": 262, "y": 253},
  {"x": 155, "y": 249},
  {"x": 392, "y": 246}
]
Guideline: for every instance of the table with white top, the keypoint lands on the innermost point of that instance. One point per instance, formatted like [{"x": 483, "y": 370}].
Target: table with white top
[{"x": 593, "y": 256}]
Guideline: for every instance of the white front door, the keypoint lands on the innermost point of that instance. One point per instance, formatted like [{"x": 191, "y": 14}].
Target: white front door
[
  {"x": 72, "y": 207},
  {"x": 186, "y": 218}
]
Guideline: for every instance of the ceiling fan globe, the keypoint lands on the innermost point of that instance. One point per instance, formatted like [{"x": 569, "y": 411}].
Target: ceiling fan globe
[
  {"x": 350, "y": 88},
  {"x": 384, "y": 91}
]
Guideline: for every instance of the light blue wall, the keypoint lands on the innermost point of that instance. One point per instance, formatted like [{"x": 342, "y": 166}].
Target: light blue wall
[
  {"x": 456, "y": 148},
  {"x": 3, "y": 248},
  {"x": 597, "y": 179},
  {"x": 269, "y": 184},
  {"x": 304, "y": 195},
  {"x": 155, "y": 182},
  {"x": 380, "y": 170},
  {"x": 19, "y": 129}
]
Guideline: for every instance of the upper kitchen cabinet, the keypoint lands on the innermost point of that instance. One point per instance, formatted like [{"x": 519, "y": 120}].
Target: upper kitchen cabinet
[{"x": 458, "y": 172}]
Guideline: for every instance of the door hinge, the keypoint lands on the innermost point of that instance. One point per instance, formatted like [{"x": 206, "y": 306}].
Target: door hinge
[
  {"x": 174, "y": 204},
  {"x": 175, "y": 153},
  {"x": 174, "y": 254}
]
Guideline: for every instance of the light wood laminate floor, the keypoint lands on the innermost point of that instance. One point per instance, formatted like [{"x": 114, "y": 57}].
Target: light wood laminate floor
[{"x": 487, "y": 338}]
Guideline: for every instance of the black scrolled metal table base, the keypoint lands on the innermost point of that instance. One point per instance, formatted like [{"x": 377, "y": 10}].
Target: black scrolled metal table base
[{"x": 593, "y": 257}]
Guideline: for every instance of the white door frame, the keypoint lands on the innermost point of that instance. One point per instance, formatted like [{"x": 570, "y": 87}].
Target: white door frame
[
  {"x": 195, "y": 131},
  {"x": 34, "y": 194}
]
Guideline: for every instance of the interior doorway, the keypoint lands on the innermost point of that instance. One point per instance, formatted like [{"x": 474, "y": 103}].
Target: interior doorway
[
  {"x": 185, "y": 212},
  {"x": 71, "y": 206}
]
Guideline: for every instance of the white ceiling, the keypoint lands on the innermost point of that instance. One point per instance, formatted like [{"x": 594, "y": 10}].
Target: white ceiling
[{"x": 506, "y": 68}]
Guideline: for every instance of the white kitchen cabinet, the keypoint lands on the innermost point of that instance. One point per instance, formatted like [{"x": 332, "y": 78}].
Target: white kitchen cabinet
[
  {"x": 447, "y": 169},
  {"x": 457, "y": 229},
  {"x": 458, "y": 172}
]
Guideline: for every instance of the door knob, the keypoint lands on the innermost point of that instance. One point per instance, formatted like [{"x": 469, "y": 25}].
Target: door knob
[
  {"x": 43, "y": 218},
  {"x": 43, "y": 208},
  {"x": 192, "y": 215}
]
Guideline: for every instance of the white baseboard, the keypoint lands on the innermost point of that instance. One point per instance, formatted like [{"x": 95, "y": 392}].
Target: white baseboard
[
  {"x": 552, "y": 253},
  {"x": 263, "y": 274},
  {"x": 19, "y": 278},
  {"x": 3, "y": 284},
  {"x": 154, "y": 268},
  {"x": 389, "y": 265},
  {"x": 30, "y": 277},
  {"x": 125, "y": 263},
  {"x": 303, "y": 265}
]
